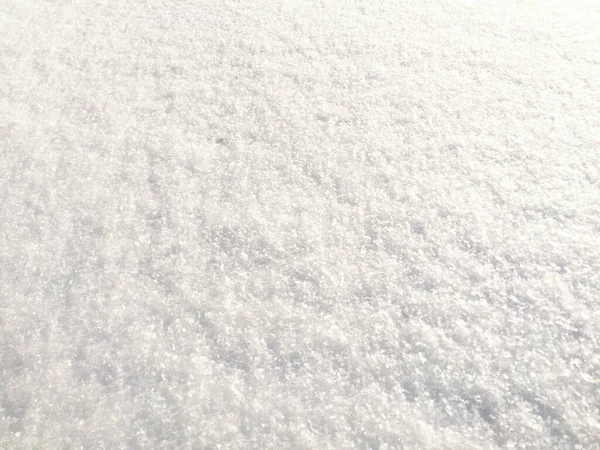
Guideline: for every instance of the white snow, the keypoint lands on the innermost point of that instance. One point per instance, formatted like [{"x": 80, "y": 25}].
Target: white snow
[{"x": 316, "y": 224}]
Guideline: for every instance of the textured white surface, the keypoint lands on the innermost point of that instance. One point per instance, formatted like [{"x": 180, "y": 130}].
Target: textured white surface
[{"x": 299, "y": 224}]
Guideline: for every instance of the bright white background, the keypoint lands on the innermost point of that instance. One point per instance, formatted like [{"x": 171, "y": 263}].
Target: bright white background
[{"x": 299, "y": 224}]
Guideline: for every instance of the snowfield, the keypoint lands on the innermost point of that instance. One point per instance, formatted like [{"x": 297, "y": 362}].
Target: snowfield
[{"x": 307, "y": 224}]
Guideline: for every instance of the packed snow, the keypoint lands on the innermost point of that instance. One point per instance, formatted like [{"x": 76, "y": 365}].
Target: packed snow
[{"x": 309, "y": 224}]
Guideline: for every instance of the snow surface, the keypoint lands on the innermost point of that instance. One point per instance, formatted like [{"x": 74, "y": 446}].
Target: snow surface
[{"x": 316, "y": 224}]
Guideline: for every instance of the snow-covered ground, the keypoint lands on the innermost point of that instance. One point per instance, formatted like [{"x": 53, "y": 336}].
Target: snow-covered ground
[{"x": 320, "y": 224}]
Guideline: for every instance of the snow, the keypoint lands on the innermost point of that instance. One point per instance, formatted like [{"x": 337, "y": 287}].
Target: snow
[{"x": 300, "y": 224}]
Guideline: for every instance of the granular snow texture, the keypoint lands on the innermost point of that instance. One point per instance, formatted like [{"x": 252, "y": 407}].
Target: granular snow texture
[{"x": 316, "y": 224}]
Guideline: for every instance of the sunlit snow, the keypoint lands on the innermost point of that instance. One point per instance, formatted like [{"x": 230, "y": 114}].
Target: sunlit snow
[{"x": 308, "y": 224}]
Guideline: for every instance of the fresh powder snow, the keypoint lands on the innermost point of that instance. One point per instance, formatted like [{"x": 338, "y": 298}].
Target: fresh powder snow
[{"x": 304, "y": 224}]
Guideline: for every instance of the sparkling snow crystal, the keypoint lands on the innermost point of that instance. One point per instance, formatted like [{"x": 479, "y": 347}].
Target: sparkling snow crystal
[{"x": 308, "y": 224}]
